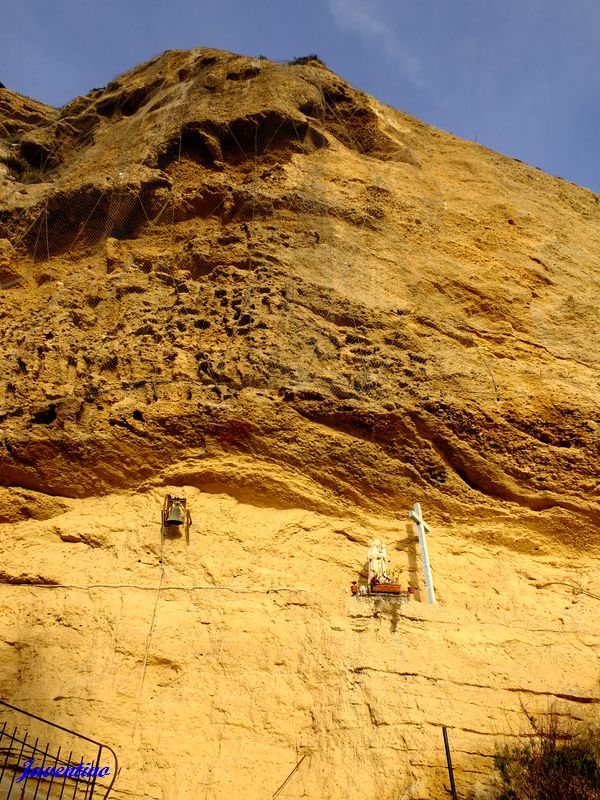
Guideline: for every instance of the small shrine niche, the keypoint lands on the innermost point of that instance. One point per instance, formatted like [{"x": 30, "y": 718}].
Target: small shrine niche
[{"x": 383, "y": 578}]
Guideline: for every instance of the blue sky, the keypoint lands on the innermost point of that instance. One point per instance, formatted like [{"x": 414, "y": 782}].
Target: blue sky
[{"x": 519, "y": 76}]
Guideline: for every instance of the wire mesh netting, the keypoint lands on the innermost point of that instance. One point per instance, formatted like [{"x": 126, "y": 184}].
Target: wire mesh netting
[
  {"x": 196, "y": 289},
  {"x": 192, "y": 239}
]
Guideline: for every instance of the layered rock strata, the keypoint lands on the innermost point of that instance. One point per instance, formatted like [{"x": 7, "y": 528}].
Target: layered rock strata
[{"x": 251, "y": 284}]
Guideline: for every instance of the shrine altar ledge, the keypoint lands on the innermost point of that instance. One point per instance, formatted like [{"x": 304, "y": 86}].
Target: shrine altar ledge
[{"x": 387, "y": 588}]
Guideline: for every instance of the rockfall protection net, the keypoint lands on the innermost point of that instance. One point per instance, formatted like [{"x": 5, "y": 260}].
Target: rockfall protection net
[{"x": 196, "y": 292}]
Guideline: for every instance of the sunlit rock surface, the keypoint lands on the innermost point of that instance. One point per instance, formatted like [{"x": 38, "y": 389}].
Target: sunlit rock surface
[{"x": 252, "y": 285}]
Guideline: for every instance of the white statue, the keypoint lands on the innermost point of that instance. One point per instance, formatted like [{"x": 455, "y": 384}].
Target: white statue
[{"x": 377, "y": 559}]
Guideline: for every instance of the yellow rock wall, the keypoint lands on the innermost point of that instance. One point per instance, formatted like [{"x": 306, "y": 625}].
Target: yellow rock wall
[{"x": 252, "y": 285}]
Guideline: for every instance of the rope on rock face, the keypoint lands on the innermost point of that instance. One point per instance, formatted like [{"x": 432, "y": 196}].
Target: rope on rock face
[
  {"x": 139, "y": 700},
  {"x": 192, "y": 588},
  {"x": 288, "y": 777}
]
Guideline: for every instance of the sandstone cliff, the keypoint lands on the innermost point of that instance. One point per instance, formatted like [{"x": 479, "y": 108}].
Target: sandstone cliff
[{"x": 251, "y": 284}]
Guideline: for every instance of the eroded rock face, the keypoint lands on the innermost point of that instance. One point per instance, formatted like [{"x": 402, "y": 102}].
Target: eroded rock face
[{"x": 310, "y": 310}]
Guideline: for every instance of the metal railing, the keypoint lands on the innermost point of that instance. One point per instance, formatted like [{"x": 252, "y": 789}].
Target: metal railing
[{"x": 40, "y": 760}]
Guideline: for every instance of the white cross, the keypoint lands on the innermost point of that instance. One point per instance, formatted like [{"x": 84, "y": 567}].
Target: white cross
[{"x": 417, "y": 516}]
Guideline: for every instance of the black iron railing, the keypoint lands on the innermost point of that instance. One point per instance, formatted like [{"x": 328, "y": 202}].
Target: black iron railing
[{"x": 40, "y": 760}]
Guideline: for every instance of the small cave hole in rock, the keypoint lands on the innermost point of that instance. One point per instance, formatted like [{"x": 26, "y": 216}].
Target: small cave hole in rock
[
  {"x": 46, "y": 416},
  {"x": 137, "y": 414},
  {"x": 464, "y": 477}
]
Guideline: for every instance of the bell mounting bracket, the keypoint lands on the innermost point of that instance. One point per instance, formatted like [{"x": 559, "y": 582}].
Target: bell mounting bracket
[{"x": 175, "y": 517}]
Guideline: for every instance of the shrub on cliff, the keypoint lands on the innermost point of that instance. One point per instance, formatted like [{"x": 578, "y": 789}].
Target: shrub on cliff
[
  {"x": 559, "y": 762},
  {"x": 313, "y": 57}
]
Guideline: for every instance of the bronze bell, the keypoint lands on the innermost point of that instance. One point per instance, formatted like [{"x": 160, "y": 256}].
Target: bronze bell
[{"x": 175, "y": 514}]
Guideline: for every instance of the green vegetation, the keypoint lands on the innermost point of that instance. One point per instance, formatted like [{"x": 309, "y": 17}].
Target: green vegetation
[
  {"x": 22, "y": 170},
  {"x": 560, "y": 761},
  {"x": 306, "y": 60}
]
